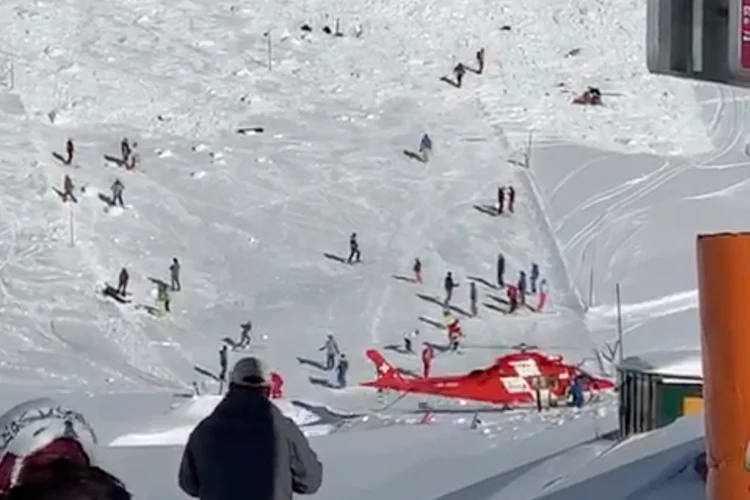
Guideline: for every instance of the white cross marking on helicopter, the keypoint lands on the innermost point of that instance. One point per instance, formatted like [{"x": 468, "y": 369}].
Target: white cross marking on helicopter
[{"x": 526, "y": 368}]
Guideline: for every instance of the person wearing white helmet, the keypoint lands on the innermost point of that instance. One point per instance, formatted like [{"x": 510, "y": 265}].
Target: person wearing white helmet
[{"x": 47, "y": 451}]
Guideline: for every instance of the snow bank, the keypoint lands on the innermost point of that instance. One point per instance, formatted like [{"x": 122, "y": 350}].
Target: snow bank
[
  {"x": 632, "y": 220},
  {"x": 174, "y": 427}
]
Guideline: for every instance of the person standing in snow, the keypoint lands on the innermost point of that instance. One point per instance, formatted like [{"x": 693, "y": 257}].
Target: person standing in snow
[
  {"x": 163, "y": 299},
  {"x": 448, "y": 286},
  {"x": 522, "y": 287},
  {"x": 534, "y": 276},
  {"x": 511, "y": 198},
  {"x": 576, "y": 393},
  {"x": 117, "y": 188},
  {"x": 135, "y": 158},
  {"x": 473, "y": 298},
  {"x": 49, "y": 451},
  {"x": 125, "y": 150},
  {"x": 331, "y": 349},
  {"x": 174, "y": 274},
  {"x": 223, "y": 363},
  {"x": 69, "y": 151},
  {"x": 245, "y": 335},
  {"x": 122, "y": 282},
  {"x": 341, "y": 369},
  {"x": 425, "y": 148},
  {"x": 68, "y": 188},
  {"x": 453, "y": 328},
  {"x": 500, "y": 200},
  {"x": 480, "y": 61},
  {"x": 512, "y": 294},
  {"x": 277, "y": 385},
  {"x": 354, "y": 253},
  {"x": 247, "y": 448},
  {"x": 500, "y": 270},
  {"x": 428, "y": 354},
  {"x": 417, "y": 268},
  {"x": 459, "y": 71},
  {"x": 541, "y": 298}
]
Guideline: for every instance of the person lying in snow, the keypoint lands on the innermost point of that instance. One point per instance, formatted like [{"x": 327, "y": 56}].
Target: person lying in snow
[{"x": 592, "y": 96}]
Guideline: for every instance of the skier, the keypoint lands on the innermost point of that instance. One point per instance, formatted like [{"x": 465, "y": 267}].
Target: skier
[
  {"x": 174, "y": 273},
  {"x": 122, "y": 282},
  {"x": 417, "y": 268},
  {"x": 117, "y": 188},
  {"x": 277, "y": 385},
  {"x": 576, "y": 392},
  {"x": 68, "y": 189},
  {"x": 125, "y": 150},
  {"x": 332, "y": 350},
  {"x": 341, "y": 370},
  {"x": 454, "y": 330},
  {"x": 69, "y": 151},
  {"x": 449, "y": 285},
  {"x": 522, "y": 286},
  {"x": 245, "y": 335},
  {"x": 476, "y": 422},
  {"x": 223, "y": 363},
  {"x": 512, "y": 293},
  {"x": 459, "y": 71},
  {"x": 500, "y": 200},
  {"x": 480, "y": 61},
  {"x": 473, "y": 298},
  {"x": 542, "y": 297},
  {"x": 534, "y": 276},
  {"x": 162, "y": 296},
  {"x": 425, "y": 147},
  {"x": 511, "y": 198},
  {"x": 135, "y": 158},
  {"x": 428, "y": 354},
  {"x": 354, "y": 253},
  {"x": 500, "y": 270},
  {"x": 407, "y": 340}
]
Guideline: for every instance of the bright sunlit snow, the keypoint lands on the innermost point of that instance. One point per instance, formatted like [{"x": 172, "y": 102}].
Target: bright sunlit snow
[{"x": 614, "y": 194}]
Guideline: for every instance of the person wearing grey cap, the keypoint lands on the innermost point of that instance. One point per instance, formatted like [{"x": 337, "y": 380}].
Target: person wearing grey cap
[{"x": 246, "y": 448}]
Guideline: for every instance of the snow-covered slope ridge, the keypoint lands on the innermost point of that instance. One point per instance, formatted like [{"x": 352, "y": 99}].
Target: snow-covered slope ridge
[{"x": 633, "y": 220}]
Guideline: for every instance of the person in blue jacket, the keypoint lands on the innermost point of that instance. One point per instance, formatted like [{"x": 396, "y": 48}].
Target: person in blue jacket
[
  {"x": 576, "y": 393},
  {"x": 341, "y": 370},
  {"x": 534, "y": 276},
  {"x": 425, "y": 147}
]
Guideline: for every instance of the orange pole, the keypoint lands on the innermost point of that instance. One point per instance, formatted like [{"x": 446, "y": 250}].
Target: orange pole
[{"x": 724, "y": 298}]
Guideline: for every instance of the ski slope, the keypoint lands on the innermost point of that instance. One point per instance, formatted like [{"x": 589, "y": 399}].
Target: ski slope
[{"x": 251, "y": 216}]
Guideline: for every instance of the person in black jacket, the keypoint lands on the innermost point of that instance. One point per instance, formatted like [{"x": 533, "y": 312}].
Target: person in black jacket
[{"x": 246, "y": 448}]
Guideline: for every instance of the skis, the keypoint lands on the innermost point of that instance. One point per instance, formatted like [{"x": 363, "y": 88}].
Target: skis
[{"x": 250, "y": 130}]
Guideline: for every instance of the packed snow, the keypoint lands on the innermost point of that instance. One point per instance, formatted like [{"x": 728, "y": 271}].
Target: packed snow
[{"x": 260, "y": 222}]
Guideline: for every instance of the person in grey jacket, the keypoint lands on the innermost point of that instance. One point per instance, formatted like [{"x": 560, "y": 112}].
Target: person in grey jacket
[{"x": 246, "y": 448}]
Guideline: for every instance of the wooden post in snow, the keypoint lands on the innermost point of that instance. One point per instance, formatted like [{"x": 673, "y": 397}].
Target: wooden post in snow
[
  {"x": 528, "y": 149},
  {"x": 267, "y": 34},
  {"x": 72, "y": 226}
]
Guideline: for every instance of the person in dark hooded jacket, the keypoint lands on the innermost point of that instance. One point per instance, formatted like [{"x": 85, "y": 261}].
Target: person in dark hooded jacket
[{"x": 246, "y": 448}]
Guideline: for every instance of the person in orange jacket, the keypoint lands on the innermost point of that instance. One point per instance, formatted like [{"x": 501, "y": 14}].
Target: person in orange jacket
[
  {"x": 428, "y": 354},
  {"x": 277, "y": 385},
  {"x": 454, "y": 329}
]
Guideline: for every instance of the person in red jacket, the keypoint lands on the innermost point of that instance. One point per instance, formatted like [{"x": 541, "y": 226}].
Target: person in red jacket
[
  {"x": 512, "y": 292},
  {"x": 277, "y": 385},
  {"x": 428, "y": 354}
]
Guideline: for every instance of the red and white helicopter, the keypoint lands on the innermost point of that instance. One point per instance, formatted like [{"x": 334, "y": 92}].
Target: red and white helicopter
[{"x": 515, "y": 379}]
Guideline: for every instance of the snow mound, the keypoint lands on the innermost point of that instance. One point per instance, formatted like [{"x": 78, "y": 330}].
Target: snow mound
[{"x": 174, "y": 427}]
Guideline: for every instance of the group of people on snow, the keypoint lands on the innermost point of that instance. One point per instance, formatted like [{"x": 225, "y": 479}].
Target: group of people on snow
[{"x": 336, "y": 360}]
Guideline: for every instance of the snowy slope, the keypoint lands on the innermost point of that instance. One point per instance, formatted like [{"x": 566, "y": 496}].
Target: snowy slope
[
  {"x": 633, "y": 220},
  {"x": 251, "y": 217}
]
